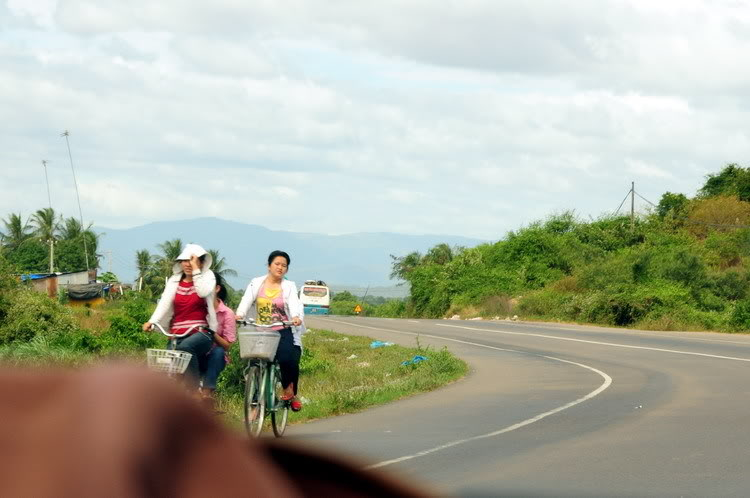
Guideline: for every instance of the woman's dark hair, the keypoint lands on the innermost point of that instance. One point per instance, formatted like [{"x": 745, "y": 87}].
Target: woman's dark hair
[
  {"x": 222, "y": 292},
  {"x": 276, "y": 254}
]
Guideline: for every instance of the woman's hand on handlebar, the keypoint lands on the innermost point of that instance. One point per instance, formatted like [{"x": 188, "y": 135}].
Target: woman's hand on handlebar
[
  {"x": 296, "y": 321},
  {"x": 147, "y": 326}
]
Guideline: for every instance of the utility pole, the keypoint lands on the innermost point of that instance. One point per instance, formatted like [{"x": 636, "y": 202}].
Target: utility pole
[
  {"x": 51, "y": 241},
  {"x": 49, "y": 197},
  {"x": 66, "y": 134},
  {"x": 51, "y": 255},
  {"x": 109, "y": 261},
  {"x": 632, "y": 206}
]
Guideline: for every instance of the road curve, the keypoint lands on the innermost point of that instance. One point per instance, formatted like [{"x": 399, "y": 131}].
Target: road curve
[{"x": 552, "y": 410}]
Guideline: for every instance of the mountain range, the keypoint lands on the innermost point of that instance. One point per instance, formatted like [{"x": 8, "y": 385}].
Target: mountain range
[{"x": 354, "y": 260}]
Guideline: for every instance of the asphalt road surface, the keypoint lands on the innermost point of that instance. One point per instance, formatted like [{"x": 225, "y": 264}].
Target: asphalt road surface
[{"x": 553, "y": 410}]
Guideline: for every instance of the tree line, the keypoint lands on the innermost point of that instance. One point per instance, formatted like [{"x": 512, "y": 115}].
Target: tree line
[
  {"x": 154, "y": 268},
  {"x": 684, "y": 265},
  {"x": 25, "y": 243}
]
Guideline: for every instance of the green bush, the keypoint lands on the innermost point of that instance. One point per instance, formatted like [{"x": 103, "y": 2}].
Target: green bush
[
  {"x": 125, "y": 335},
  {"x": 740, "y": 317},
  {"x": 32, "y": 314},
  {"x": 393, "y": 308},
  {"x": 343, "y": 308},
  {"x": 231, "y": 382}
]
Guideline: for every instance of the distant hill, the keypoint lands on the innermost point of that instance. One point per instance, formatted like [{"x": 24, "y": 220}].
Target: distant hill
[{"x": 352, "y": 260}]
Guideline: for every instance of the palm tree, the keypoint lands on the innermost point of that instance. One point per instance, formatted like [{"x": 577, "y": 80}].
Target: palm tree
[
  {"x": 402, "y": 266},
  {"x": 16, "y": 231},
  {"x": 441, "y": 254},
  {"x": 71, "y": 229},
  {"x": 170, "y": 250},
  {"x": 92, "y": 244},
  {"x": 144, "y": 264},
  {"x": 218, "y": 266},
  {"x": 45, "y": 224}
]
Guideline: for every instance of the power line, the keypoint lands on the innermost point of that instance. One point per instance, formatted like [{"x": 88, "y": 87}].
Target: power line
[
  {"x": 639, "y": 195},
  {"x": 623, "y": 202},
  {"x": 683, "y": 218}
]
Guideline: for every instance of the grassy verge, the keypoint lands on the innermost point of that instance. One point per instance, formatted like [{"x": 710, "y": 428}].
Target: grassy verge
[{"x": 342, "y": 374}]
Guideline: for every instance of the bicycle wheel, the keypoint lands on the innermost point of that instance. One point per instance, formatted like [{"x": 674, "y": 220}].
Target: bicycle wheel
[
  {"x": 255, "y": 403},
  {"x": 280, "y": 411}
]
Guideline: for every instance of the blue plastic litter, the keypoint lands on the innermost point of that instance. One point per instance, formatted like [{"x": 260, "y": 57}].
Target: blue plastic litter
[
  {"x": 415, "y": 360},
  {"x": 380, "y": 344}
]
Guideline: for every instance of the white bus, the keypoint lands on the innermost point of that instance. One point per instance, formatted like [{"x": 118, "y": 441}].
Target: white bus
[{"x": 316, "y": 297}]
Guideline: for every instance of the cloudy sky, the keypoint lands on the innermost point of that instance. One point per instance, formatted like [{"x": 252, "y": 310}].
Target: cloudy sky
[{"x": 468, "y": 117}]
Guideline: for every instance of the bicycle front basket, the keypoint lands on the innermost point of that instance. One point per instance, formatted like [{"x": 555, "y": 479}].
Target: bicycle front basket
[
  {"x": 168, "y": 361},
  {"x": 259, "y": 344}
]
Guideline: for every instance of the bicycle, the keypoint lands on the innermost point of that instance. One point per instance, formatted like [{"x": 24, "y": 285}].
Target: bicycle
[
  {"x": 263, "y": 378},
  {"x": 169, "y": 361}
]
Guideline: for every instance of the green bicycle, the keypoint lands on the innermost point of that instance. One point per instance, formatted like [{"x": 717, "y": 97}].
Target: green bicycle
[{"x": 263, "y": 389}]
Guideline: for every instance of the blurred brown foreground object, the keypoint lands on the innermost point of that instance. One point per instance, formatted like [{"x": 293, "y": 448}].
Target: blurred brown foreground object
[{"x": 124, "y": 432}]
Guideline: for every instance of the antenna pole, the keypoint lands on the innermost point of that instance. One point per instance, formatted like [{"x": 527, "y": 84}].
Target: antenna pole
[
  {"x": 46, "y": 177},
  {"x": 66, "y": 134}
]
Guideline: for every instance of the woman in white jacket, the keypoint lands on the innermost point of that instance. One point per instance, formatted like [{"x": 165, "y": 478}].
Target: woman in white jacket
[
  {"x": 276, "y": 300},
  {"x": 188, "y": 303}
]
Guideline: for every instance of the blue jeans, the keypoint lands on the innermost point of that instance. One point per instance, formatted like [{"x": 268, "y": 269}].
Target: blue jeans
[
  {"x": 212, "y": 365},
  {"x": 198, "y": 345}
]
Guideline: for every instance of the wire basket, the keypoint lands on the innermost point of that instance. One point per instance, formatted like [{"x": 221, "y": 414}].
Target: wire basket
[
  {"x": 259, "y": 344},
  {"x": 168, "y": 360}
]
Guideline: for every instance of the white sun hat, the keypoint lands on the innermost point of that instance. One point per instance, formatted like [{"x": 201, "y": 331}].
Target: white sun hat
[{"x": 193, "y": 250}]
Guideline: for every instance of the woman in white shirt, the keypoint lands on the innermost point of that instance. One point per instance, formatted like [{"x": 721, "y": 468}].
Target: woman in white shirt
[{"x": 276, "y": 300}]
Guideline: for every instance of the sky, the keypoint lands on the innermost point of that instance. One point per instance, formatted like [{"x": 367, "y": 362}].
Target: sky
[{"x": 471, "y": 117}]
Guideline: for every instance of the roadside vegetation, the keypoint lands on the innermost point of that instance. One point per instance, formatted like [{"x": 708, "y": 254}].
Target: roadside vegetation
[
  {"x": 26, "y": 242},
  {"x": 343, "y": 374},
  {"x": 684, "y": 266},
  {"x": 339, "y": 374},
  {"x": 345, "y": 303}
]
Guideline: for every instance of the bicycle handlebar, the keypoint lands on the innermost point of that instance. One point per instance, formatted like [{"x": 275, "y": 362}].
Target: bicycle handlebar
[
  {"x": 251, "y": 321},
  {"x": 154, "y": 326}
]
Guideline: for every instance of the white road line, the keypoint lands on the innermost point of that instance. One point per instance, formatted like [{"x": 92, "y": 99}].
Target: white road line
[
  {"x": 601, "y": 330},
  {"x": 413, "y": 321},
  {"x": 611, "y": 344},
  {"x": 607, "y": 382}
]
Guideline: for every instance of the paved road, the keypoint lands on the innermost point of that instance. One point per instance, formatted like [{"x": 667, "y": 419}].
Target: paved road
[{"x": 560, "y": 411}]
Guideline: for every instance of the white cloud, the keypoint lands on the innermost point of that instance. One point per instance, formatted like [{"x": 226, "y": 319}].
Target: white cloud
[
  {"x": 643, "y": 169},
  {"x": 41, "y": 12},
  {"x": 471, "y": 119}
]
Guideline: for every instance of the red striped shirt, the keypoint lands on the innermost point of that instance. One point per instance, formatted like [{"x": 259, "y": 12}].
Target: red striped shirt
[{"x": 189, "y": 309}]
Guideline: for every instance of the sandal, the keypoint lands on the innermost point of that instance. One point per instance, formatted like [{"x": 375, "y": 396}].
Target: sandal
[{"x": 296, "y": 405}]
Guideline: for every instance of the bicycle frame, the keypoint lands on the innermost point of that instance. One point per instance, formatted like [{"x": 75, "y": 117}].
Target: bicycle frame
[
  {"x": 265, "y": 399},
  {"x": 269, "y": 369}
]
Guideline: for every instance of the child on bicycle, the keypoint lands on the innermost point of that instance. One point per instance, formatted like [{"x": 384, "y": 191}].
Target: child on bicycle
[{"x": 213, "y": 363}]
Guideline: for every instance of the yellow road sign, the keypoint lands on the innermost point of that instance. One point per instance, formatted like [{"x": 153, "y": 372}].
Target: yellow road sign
[{"x": 358, "y": 309}]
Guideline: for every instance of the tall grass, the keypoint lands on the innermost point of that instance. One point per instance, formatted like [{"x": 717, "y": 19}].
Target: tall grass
[{"x": 332, "y": 382}]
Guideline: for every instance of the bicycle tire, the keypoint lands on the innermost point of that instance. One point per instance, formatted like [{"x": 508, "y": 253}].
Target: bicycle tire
[
  {"x": 280, "y": 412},
  {"x": 255, "y": 402}
]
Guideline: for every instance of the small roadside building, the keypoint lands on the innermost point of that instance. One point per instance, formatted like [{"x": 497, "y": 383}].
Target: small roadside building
[{"x": 51, "y": 283}]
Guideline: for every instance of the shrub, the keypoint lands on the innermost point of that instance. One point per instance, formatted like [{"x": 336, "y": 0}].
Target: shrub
[
  {"x": 707, "y": 215},
  {"x": 30, "y": 314},
  {"x": 393, "y": 308},
  {"x": 740, "y": 317}
]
